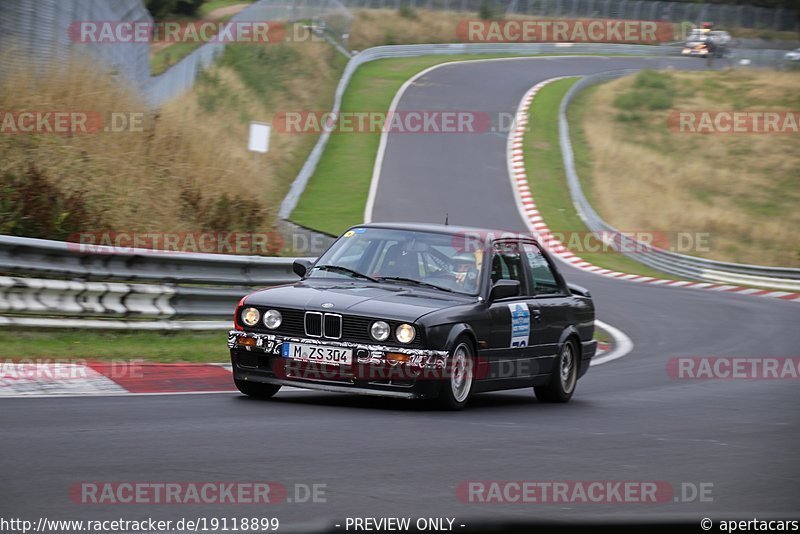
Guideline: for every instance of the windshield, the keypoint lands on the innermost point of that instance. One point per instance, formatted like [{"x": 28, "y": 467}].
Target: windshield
[{"x": 424, "y": 259}]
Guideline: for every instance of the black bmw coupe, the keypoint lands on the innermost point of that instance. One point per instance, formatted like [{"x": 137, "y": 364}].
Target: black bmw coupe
[{"x": 418, "y": 311}]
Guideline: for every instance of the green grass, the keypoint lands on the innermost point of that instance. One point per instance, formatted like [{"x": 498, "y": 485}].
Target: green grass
[
  {"x": 211, "y": 5},
  {"x": 162, "y": 60},
  {"x": 107, "y": 345},
  {"x": 602, "y": 336},
  {"x": 336, "y": 194},
  {"x": 547, "y": 179}
]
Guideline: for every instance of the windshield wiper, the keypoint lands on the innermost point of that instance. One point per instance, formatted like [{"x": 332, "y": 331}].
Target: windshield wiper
[
  {"x": 416, "y": 282},
  {"x": 341, "y": 269}
]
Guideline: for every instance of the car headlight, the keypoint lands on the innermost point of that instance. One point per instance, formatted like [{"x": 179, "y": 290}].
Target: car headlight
[
  {"x": 250, "y": 316},
  {"x": 379, "y": 330},
  {"x": 405, "y": 333},
  {"x": 272, "y": 319}
]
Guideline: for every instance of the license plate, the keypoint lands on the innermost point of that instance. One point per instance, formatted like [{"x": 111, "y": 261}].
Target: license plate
[{"x": 318, "y": 353}]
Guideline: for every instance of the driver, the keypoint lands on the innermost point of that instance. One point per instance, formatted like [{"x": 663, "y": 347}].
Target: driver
[{"x": 466, "y": 268}]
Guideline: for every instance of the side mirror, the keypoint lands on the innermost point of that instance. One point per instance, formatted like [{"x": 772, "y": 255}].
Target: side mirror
[
  {"x": 504, "y": 289},
  {"x": 301, "y": 267}
]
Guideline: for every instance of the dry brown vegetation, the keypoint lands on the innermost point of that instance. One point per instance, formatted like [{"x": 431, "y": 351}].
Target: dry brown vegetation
[
  {"x": 743, "y": 189},
  {"x": 374, "y": 27},
  {"x": 188, "y": 170}
]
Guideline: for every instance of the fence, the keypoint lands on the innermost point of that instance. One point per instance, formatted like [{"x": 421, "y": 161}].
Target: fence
[
  {"x": 333, "y": 19},
  {"x": 782, "y": 278},
  {"x": 36, "y": 34},
  {"x": 724, "y": 15}
]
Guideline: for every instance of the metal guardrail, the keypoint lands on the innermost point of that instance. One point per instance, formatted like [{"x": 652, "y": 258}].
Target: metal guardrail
[
  {"x": 58, "y": 259},
  {"x": 782, "y": 278},
  {"x": 104, "y": 287}
]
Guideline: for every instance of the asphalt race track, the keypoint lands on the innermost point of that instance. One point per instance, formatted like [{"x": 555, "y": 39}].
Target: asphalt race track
[{"x": 629, "y": 419}]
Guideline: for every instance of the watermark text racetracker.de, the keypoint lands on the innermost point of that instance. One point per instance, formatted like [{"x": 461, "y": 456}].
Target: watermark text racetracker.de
[
  {"x": 734, "y": 368},
  {"x": 70, "y": 122},
  {"x": 582, "y": 492},
  {"x": 733, "y": 122},
  {"x": 411, "y": 121},
  {"x": 166, "y": 32},
  {"x": 63, "y": 369},
  {"x": 122, "y": 242},
  {"x": 150, "y": 525},
  {"x": 628, "y": 242},
  {"x": 565, "y": 31},
  {"x": 196, "y": 493}
]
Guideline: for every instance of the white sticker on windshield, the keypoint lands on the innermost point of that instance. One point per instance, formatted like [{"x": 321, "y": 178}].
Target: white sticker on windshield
[{"x": 520, "y": 324}]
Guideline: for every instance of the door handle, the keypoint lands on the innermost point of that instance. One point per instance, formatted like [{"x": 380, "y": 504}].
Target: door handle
[{"x": 536, "y": 315}]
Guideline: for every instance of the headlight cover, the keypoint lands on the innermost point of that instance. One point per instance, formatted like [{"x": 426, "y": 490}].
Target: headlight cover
[
  {"x": 405, "y": 333},
  {"x": 250, "y": 316},
  {"x": 272, "y": 319},
  {"x": 380, "y": 330}
]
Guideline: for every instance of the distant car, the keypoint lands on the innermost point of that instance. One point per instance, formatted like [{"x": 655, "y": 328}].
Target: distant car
[
  {"x": 794, "y": 55},
  {"x": 418, "y": 311},
  {"x": 705, "y": 43}
]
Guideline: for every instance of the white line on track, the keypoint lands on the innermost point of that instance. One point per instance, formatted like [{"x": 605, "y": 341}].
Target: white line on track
[{"x": 622, "y": 344}]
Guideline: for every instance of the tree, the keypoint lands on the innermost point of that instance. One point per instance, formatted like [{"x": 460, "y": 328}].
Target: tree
[{"x": 161, "y": 9}]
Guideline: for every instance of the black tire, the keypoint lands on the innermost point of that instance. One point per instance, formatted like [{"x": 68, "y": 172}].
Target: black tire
[
  {"x": 565, "y": 376},
  {"x": 456, "y": 389},
  {"x": 256, "y": 390}
]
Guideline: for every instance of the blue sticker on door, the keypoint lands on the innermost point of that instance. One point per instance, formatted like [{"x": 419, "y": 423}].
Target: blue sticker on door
[{"x": 520, "y": 324}]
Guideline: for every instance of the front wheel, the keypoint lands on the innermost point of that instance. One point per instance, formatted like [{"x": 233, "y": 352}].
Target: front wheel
[
  {"x": 456, "y": 389},
  {"x": 256, "y": 389},
  {"x": 565, "y": 376}
]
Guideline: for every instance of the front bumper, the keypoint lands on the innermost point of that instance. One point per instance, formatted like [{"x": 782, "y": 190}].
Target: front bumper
[{"x": 375, "y": 369}]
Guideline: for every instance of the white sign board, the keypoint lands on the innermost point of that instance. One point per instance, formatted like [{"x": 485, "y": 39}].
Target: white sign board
[{"x": 259, "y": 137}]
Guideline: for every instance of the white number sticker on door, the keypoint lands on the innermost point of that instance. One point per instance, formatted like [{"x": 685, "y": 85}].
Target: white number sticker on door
[{"x": 520, "y": 324}]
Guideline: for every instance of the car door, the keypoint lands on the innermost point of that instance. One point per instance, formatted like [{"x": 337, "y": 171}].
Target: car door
[
  {"x": 550, "y": 304},
  {"x": 512, "y": 349}
]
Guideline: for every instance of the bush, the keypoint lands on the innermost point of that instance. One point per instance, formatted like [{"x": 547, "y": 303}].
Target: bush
[
  {"x": 653, "y": 80},
  {"x": 32, "y": 206},
  {"x": 161, "y": 9},
  {"x": 486, "y": 11},
  {"x": 264, "y": 69},
  {"x": 407, "y": 12},
  {"x": 651, "y": 90}
]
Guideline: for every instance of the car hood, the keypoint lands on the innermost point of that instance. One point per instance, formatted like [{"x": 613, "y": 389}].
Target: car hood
[{"x": 387, "y": 301}]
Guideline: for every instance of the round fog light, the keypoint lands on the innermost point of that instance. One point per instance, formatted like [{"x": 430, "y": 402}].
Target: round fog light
[
  {"x": 250, "y": 316},
  {"x": 272, "y": 319},
  {"x": 405, "y": 333},
  {"x": 379, "y": 330}
]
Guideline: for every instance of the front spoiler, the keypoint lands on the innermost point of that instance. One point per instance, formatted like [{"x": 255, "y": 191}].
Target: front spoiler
[{"x": 333, "y": 388}]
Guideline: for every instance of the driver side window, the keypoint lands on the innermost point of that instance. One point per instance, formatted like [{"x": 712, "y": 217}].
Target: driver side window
[{"x": 543, "y": 279}]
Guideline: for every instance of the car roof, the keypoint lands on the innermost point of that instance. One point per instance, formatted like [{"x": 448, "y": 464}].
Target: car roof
[{"x": 449, "y": 229}]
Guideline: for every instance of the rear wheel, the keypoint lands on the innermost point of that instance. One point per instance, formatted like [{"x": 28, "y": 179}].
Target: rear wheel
[
  {"x": 456, "y": 389},
  {"x": 256, "y": 389},
  {"x": 565, "y": 376}
]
